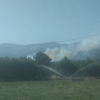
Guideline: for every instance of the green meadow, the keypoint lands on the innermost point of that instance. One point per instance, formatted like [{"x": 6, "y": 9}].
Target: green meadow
[{"x": 50, "y": 90}]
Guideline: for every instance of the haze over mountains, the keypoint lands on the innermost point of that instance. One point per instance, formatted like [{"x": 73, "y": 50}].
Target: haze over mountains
[
  {"x": 17, "y": 50},
  {"x": 56, "y": 51}
]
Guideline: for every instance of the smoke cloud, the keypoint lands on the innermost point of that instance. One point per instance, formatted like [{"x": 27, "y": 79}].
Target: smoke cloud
[
  {"x": 30, "y": 56},
  {"x": 79, "y": 51}
]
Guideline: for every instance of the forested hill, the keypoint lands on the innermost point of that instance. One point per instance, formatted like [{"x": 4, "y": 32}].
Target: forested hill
[{"x": 26, "y": 69}]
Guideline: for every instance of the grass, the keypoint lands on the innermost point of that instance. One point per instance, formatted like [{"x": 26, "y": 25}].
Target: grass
[{"x": 50, "y": 90}]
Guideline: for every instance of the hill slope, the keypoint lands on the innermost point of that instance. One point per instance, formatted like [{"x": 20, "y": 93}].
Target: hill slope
[{"x": 70, "y": 50}]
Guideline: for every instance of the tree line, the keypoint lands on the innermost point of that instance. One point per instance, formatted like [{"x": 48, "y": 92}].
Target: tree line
[{"x": 26, "y": 69}]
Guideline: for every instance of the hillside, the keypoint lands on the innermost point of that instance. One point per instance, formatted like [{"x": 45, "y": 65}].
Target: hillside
[{"x": 17, "y": 50}]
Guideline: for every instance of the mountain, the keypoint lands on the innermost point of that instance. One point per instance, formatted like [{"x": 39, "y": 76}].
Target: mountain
[{"x": 17, "y": 50}]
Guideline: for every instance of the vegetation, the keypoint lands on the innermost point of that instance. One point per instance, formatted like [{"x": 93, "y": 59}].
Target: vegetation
[
  {"x": 42, "y": 58},
  {"x": 50, "y": 90},
  {"x": 26, "y": 69}
]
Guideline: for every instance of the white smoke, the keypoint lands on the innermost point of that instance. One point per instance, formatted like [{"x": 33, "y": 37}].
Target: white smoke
[
  {"x": 57, "y": 54},
  {"x": 30, "y": 56}
]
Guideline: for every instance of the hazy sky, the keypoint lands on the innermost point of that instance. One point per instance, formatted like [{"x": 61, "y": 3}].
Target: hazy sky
[{"x": 39, "y": 21}]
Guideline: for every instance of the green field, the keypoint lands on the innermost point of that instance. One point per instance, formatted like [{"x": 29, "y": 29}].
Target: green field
[{"x": 50, "y": 90}]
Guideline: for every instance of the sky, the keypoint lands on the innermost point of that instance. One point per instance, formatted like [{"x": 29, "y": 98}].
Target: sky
[{"x": 40, "y": 21}]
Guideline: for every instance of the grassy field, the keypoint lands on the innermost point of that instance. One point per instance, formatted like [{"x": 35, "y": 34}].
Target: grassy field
[{"x": 50, "y": 90}]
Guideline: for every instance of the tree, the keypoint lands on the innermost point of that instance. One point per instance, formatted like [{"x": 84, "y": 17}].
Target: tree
[
  {"x": 42, "y": 58},
  {"x": 67, "y": 66}
]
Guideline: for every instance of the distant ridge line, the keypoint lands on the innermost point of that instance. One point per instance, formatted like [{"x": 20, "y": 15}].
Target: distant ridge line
[{"x": 50, "y": 42}]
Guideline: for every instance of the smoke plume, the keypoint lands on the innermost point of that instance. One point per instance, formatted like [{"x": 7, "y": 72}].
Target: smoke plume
[{"x": 79, "y": 51}]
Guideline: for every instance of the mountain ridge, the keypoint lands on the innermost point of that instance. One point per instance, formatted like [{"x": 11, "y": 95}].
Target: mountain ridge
[{"x": 18, "y": 50}]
